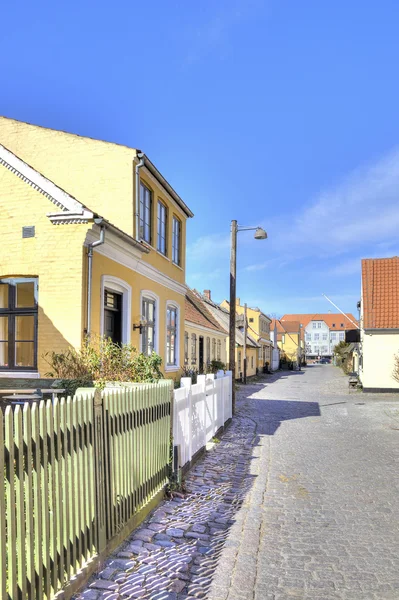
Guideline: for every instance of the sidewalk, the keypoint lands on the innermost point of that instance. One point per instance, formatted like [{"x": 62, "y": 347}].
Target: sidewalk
[{"x": 173, "y": 555}]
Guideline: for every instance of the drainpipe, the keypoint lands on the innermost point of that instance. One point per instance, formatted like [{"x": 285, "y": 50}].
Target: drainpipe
[
  {"x": 98, "y": 221},
  {"x": 140, "y": 164}
]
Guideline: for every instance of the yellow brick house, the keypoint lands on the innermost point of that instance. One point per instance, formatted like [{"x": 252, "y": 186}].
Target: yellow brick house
[
  {"x": 258, "y": 326},
  {"x": 93, "y": 240}
]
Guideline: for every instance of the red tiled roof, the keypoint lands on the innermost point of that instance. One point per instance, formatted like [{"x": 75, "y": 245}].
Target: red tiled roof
[
  {"x": 291, "y": 326},
  {"x": 380, "y": 287},
  {"x": 197, "y": 313},
  {"x": 335, "y": 321}
]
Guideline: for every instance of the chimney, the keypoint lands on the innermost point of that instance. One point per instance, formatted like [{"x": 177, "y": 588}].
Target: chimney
[
  {"x": 207, "y": 294},
  {"x": 238, "y": 302}
]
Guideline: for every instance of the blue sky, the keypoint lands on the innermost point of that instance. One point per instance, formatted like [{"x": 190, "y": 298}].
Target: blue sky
[{"x": 278, "y": 113}]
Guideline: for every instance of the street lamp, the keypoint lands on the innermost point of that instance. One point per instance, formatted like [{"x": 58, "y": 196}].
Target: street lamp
[{"x": 260, "y": 234}]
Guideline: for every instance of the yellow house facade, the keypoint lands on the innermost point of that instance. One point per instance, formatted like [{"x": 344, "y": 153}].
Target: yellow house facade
[
  {"x": 204, "y": 338},
  {"x": 221, "y": 313},
  {"x": 94, "y": 238},
  {"x": 289, "y": 340},
  {"x": 258, "y": 325}
]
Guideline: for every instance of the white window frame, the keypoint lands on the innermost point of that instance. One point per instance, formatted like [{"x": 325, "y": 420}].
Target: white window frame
[
  {"x": 114, "y": 284},
  {"x": 151, "y": 296},
  {"x": 176, "y": 306}
]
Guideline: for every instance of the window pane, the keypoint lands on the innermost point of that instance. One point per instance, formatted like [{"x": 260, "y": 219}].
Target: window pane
[
  {"x": 3, "y": 354},
  {"x": 4, "y": 295},
  {"x": 3, "y": 329},
  {"x": 25, "y": 327},
  {"x": 24, "y": 354},
  {"x": 25, "y": 294}
]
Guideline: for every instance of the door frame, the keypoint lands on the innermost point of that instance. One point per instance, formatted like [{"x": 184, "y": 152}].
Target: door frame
[{"x": 114, "y": 284}]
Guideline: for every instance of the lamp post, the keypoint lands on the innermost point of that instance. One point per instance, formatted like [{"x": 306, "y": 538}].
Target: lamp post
[{"x": 260, "y": 234}]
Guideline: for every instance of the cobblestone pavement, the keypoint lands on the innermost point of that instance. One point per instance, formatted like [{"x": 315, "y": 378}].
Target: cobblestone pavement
[
  {"x": 299, "y": 500},
  {"x": 322, "y": 518}
]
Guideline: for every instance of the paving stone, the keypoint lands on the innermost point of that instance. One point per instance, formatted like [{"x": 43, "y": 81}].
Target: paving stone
[{"x": 297, "y": 501}]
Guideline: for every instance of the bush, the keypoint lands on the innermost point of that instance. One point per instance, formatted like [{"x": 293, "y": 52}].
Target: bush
[
  {"x": 190, "y": 372},
  {"x": 216, "y": 365},
  {"x": 100, "y": 361}
]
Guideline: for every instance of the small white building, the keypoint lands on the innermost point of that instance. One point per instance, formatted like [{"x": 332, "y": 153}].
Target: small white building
[{"x": 379, "y": 322}]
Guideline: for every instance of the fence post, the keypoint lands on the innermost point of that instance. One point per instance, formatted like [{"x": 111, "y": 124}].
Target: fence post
[
  {"x": 99, "y": 470},
  {"x": 231, "y": 383},
  {"x": 186, "y": 383}
]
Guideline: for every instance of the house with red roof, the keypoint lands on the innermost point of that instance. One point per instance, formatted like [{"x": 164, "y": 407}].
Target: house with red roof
[
  {"x": 322, "y": 331},
  {"x": 204, "y": 337},
  {"x": 379, "y": 320}
]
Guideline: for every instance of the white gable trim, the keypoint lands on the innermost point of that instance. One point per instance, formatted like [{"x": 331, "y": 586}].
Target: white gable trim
[{"x": 76, "y": 212}]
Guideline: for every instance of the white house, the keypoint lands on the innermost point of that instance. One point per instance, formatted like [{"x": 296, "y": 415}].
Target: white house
[{"x": 379, "y": 322}]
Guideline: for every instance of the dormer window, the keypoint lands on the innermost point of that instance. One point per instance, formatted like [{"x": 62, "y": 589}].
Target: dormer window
[{"x": 333, "y": 324}]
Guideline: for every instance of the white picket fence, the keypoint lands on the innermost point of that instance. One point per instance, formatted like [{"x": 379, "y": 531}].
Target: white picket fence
[{"x": 199, "y": 411}]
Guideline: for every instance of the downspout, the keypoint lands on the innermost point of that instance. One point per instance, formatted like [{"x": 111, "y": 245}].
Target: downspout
[
  {"x": 140, "y": 164},
  {"x": 89, "y": 275}
]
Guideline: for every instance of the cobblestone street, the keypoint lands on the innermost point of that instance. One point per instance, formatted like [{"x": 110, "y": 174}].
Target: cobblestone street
[{"x": 299, "y": 500}]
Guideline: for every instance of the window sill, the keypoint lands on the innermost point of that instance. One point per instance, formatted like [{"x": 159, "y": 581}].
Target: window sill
[
  {"x": 20, "y": 374},
  {"x": 176, "y": 265},
  {"x": 163, "y": 255},
  {"x": 172, "y": 369}
]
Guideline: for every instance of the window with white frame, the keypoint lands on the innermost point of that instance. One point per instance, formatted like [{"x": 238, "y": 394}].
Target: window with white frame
[
  {"x": 308, "y": 337},
  {"x": 319, "y": 325},
  {"x": 145, "y": 214},
  {"x": 148, "y": 326},
  {"x": 314, "y": 325},
  {"x": 213, "y": 348},
  {"x": 208, "y": 351},
  {"x": 171, "y": 336},
  {"x": 342, "y": 336},
  {"x": 316, "y": 336},
  {"x": 193, "y": 348},
  {"x": 316, "y": 349},
  {"x": 162, "y": 228},
  {"x": 186, "y": 348},
  {"x": 324, "y": 336},
  {"x": 334, "y": 336},
  {"x": 176, "y": 241},
  {"x": 219, "y": 350}
]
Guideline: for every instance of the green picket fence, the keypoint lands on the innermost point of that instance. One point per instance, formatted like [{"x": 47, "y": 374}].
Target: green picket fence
[{"x": 79, "y": 473}]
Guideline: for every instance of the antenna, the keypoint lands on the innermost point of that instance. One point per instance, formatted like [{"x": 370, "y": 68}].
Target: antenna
[{"x": 341, "y": 311}]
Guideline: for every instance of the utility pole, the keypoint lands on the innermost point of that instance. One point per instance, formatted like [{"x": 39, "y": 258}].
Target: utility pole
[
  {"x": 232, "y": 323},
  {"x": 245, "y": 343}
]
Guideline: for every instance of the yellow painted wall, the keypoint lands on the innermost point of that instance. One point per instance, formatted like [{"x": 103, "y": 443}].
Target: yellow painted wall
[
  {"x": 96, "y": 173},
  {"x": 291, "y": 346},
  {"x": 379, "y": 350},
  {"x": 190, "y": 328},
  {"x": 252, "y": 357},
  {"x": 105, "y": 266},
  {"x": 155, "y": 258},
  {"x": 54, "y": 255}
]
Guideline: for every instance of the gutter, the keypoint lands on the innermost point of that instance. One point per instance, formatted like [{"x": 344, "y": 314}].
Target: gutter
[
  {"x": 98, "y": 221},
  {"x": 141, "y": 157}
]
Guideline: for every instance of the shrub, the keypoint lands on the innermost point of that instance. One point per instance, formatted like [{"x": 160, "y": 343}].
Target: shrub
[
  {"x": 100, "y": 360},
  {"x": 190, "y": 372},
  {"x": 217, "y": 365}
]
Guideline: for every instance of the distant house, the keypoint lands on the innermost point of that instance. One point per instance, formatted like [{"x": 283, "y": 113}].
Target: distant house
[
  {"x": 276, "y": 350},
  {"x": 379, "y": 318},
  {"x": 204, "y": 337},
  {"x": 289, "y": 336},
  {"x": 322, "y": 331},
  {"x": 258, "y": 325},
  {"x": 223, "y": 317}
]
